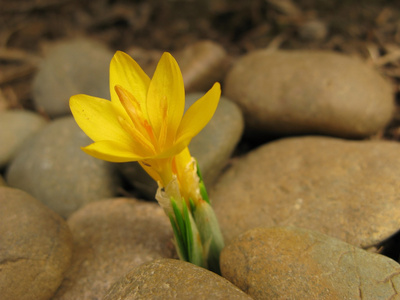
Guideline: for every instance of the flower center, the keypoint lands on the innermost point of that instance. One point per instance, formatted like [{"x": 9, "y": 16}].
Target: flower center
[{"x": 139, "y": 127}]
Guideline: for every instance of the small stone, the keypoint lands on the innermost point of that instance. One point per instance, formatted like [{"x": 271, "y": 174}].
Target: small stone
[
  {"x": 52, "y": 167},
  {"x": 147, "y": 59},
  {"x": 307, "y": 92},
  {"x": 294, "y": 263},
  {"x": 15, "y": 127},
  {"x": 212, "y": 147},
  {"x": 173, "y": 279},
  {"x": 202, "y": 64},
  {"x": 79, "y": 66},
  {"x": 313, "y": 30},
  {"x": 36, "y": 247},
  {"x": 345, "y": 189},
  {"x": 111, "y": 237}
]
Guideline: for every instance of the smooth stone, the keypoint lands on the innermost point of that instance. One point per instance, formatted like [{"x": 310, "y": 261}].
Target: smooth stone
[
  {"x": 313, "y": 30},
  {"x": 212, "y": 147},
  {"x": 52, "y": 168},
  {"x": 112, "y": 237},
  {"x": 308, "y": 92},
  {"x": 15, "y": 127},
  {"x": 173, "y": 279},
  {"x": 294, "y": 263},
  {"x": 79, "y": 66},
  {"x": 202, "y": 64},
  {"x": 36, "y": 247},
  {"x": 345, "y": 189}
]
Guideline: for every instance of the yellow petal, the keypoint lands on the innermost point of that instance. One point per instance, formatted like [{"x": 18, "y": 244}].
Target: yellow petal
[
  {"x": 181, "y": 161},
  {"x": 96, "y": 117},
  {"x": 175, "y": 149},
  {"x": 166, "y": 98},
  {"x": 137, "y": 126},
  {"x": 111, "y": 151},
  {"x": 126, "y": 72},
  {"x": 199, "y": 114}
]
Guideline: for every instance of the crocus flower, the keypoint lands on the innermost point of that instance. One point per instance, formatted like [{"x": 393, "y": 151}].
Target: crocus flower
[{"x": 145, "y": 120}]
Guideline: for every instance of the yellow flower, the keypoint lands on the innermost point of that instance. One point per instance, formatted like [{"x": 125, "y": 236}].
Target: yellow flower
[{"x": 145, "y": 120}]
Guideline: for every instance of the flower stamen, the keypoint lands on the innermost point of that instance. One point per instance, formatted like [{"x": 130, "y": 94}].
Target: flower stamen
[
  {"x": 150, "y": 133},
  {"x": 141, "y": 128},
  {"x": 137, "y": 135}
]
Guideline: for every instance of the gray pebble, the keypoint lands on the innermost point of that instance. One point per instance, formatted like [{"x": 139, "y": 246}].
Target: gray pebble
[
  {"x": 36, "y": 247},
  {"x": 15, "y": 127},
  {"x": 173, "y": 279},
  {"x": 294, "y": 263},
  {"x": 346, "y": 189},
  {"x": 52, "y": 167},
  {"x": 79, "y": 66},
  {"x": 309, "y": 92}
]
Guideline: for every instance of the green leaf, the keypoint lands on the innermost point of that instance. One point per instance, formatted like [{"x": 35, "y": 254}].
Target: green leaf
[
  {"x": 189, "y": 235},
  {"x": 202, "y": 187},
  {"x": 210, "y": 232},
  {"x": 198, "y": 170},
  {"x": 183, "y": 255},
  {"x": 192, "y": 205},
  {"x": 180, "y": 230},
  {"x": 179, "y": 220},
  {"x": 203, "y": 192}
]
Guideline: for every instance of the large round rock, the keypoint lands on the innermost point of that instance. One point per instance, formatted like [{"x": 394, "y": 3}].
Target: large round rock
[
  {"x": 71, "y": 67},
  {"x": 173, "y": 279},
  {"x": 346, "y": 189},
  {"x": 111, "y": 238},
  {"x": 15, "y": 127},
  {"x": 52, "y": 167},
  {"x": 36, "y": 247},
  {"x": 294, "y": 263},
  {"x": 295, "y": 92}
]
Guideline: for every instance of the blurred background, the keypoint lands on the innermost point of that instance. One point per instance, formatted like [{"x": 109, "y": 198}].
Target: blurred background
[{"x": 368, "y": 29}]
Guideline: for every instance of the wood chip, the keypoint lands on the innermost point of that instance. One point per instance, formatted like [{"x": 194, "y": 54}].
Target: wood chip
[
  {"x": 388, "y": 58},
  {"x": 12, "y": 74},
  {"x": 18, "y": 55},
  {"x": 287, "y": 7}
]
